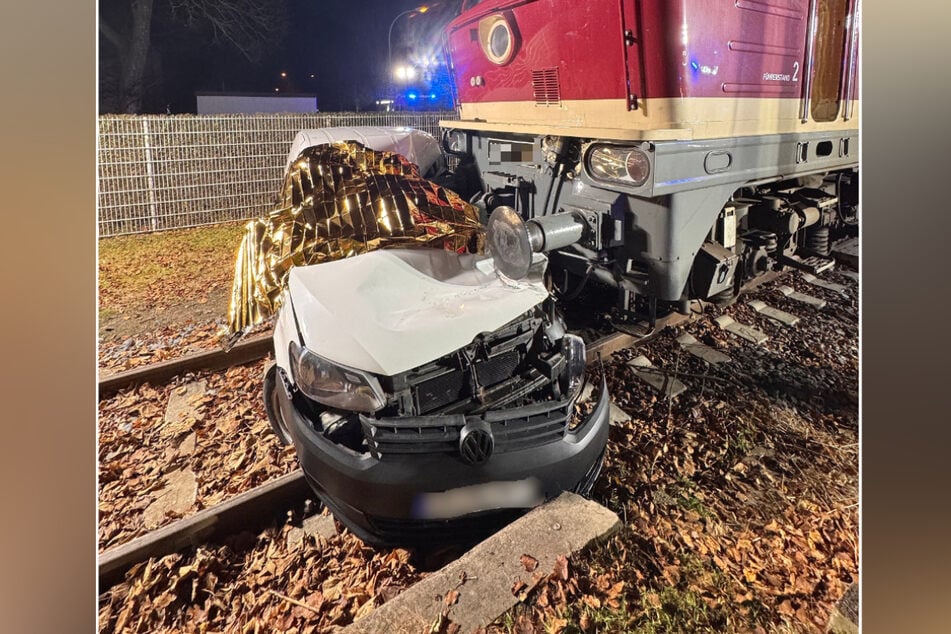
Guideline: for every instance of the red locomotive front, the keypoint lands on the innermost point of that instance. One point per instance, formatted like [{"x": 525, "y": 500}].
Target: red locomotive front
[
  {"x": 671, "y": 150},
  {"x": 653, "y": 69}
]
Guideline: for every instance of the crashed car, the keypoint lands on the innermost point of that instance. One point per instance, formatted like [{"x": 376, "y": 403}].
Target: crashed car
[{"x": 429, "y": 397}]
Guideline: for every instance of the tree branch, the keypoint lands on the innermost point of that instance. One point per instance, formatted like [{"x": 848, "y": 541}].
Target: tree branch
[{"x": 247, "y": 25}]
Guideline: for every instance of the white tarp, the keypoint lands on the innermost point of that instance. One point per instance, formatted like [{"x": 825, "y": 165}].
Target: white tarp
[
  {"x": 392, "y": 310},
  {"x": 417, "y": 146}
]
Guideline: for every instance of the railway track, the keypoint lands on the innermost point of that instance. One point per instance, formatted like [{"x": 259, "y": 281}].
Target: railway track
[
  {"x": 259, "y": 347},
  {"x": 256, "y": 508},
  {"x": 208, "y": 535},
  {"x": 251, "y": 349}
]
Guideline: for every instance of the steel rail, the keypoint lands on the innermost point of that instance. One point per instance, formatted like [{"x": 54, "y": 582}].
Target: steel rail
[
  {"x": 250, "y": 510},
  {"x": 251, "y": 349},
  {"x": 259, "y": 347},
  {"x": 255, "y": 508}
]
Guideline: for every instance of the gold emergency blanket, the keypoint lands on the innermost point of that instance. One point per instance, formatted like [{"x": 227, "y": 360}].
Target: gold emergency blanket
[{"x": 339, "y": 200}]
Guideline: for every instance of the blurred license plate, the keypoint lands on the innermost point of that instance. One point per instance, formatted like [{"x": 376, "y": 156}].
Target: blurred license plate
[{"x": 478, "y": 497}]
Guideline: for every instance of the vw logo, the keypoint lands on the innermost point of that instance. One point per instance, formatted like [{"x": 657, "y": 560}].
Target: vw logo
[{"x": 476, "y": 442}]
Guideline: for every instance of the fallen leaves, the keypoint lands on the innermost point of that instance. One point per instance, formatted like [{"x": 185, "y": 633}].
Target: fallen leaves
[
  {"x": 452, "y": 597},
  {"x": 739, "y": 498},
  {"x": 219, "y": 433},
  {"x": 231, "y": 587},
  {"x": 529, "y": 563},
  {"x": 165, "y": 269},
  {"x": 739, "y": 504}
]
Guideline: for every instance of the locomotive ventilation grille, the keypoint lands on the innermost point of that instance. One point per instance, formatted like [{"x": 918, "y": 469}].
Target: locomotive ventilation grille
[{"x": 546, "y": 87}]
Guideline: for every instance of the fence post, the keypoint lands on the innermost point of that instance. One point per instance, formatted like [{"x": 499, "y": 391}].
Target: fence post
[{"x": 153, "y": 210}]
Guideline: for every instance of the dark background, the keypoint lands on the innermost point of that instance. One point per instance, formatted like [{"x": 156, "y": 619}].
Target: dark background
[{"x": 342, "y": 43}]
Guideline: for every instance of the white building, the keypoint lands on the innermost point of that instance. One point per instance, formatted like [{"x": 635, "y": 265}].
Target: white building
[{"x": 251, "y": 103}]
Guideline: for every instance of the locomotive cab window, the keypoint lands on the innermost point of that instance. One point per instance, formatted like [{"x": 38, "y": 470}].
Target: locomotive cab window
[{"x": 829, "y": 54}]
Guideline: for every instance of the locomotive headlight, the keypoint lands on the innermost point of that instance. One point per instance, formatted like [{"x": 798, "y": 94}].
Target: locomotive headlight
[
  {"x": 334, "y": 385},
  {"x": 500, "y": 40},
  {"x": 629, "y": 165},
  {"x": 497, "y": 39}
]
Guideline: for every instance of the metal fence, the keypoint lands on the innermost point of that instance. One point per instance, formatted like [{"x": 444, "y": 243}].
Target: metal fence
[{"x": 160, "y": 172}]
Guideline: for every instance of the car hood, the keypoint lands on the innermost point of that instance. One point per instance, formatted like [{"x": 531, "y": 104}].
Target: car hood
[
  {"x": 392, "y": 310},
  {"x": 417, "y": 146}
]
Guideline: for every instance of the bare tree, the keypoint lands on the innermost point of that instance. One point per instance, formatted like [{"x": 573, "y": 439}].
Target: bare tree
[
  {"x": 246, "y": 25},
  {"x": 133, "y": 53}
]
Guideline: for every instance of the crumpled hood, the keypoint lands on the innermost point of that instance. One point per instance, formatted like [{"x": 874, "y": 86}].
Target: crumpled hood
[{"x": 392, "y": 310}]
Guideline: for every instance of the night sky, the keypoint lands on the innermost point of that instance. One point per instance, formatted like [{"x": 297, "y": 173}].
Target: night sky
[{"x": 342, "y": 43}]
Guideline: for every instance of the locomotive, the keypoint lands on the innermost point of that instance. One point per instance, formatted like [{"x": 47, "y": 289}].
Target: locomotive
[{"x": 670, "y": 150}]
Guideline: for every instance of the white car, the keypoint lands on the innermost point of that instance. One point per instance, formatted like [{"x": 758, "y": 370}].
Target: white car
[{"x": 428, "y": 397}]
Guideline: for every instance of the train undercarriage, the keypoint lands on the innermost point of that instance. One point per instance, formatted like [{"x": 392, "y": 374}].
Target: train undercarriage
[{"x": 662, "y": 223}]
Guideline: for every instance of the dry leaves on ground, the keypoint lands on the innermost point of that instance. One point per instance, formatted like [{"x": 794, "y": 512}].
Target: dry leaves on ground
[
  {"x": 739, "y": 499},
  {"x": 257, "y": 583},
  {"x": 226, "y": 441}
]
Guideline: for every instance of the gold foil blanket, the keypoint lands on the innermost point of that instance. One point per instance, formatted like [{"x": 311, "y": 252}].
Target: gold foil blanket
[{"x": 339, "y": 200}]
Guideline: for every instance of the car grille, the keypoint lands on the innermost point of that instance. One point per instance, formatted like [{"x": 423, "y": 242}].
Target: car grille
[
  {"x": 513, "y": 430},
  {"x": 496, "y": 369}
]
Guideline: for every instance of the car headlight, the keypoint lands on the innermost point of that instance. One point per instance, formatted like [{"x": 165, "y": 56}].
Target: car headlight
[
  {"x": 628, "y": 165},
  {"x": 572, "y": 346},
  {"x": 497, "y": 39},
  {"x": 334, "y": 385}
]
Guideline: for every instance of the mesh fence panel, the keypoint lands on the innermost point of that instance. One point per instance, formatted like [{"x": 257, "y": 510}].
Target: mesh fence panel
[{"x": 160, "y": 172}]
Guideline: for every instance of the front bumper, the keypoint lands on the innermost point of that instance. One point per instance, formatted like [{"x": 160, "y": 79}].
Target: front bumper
[{"x": 378, "y": 494}]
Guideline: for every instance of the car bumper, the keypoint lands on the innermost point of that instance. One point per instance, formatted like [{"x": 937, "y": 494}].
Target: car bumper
[{"x": 389, "y": 499}]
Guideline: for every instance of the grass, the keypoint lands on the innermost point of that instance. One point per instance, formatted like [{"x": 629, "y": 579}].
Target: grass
[
  {"x": 679, "y": 611},
  {"x": 741, "y": 438},
  {"x": 157, "y": 270},
  {"x": 681, "y": 608},
  {"x": 603, "y": 619}
]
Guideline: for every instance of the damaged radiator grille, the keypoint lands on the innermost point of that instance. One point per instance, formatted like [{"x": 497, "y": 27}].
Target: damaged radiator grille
[
  {"x": 513, "y": 430},
  {"x": 450, "y": 387},
  {"x": 444, "y": 389},
  {"x": 497, "y": 368}
]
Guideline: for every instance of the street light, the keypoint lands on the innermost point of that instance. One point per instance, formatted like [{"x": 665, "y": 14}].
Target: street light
[
  {"x": 389, "y": 36},
  {"x": 405, "y": 73}
]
